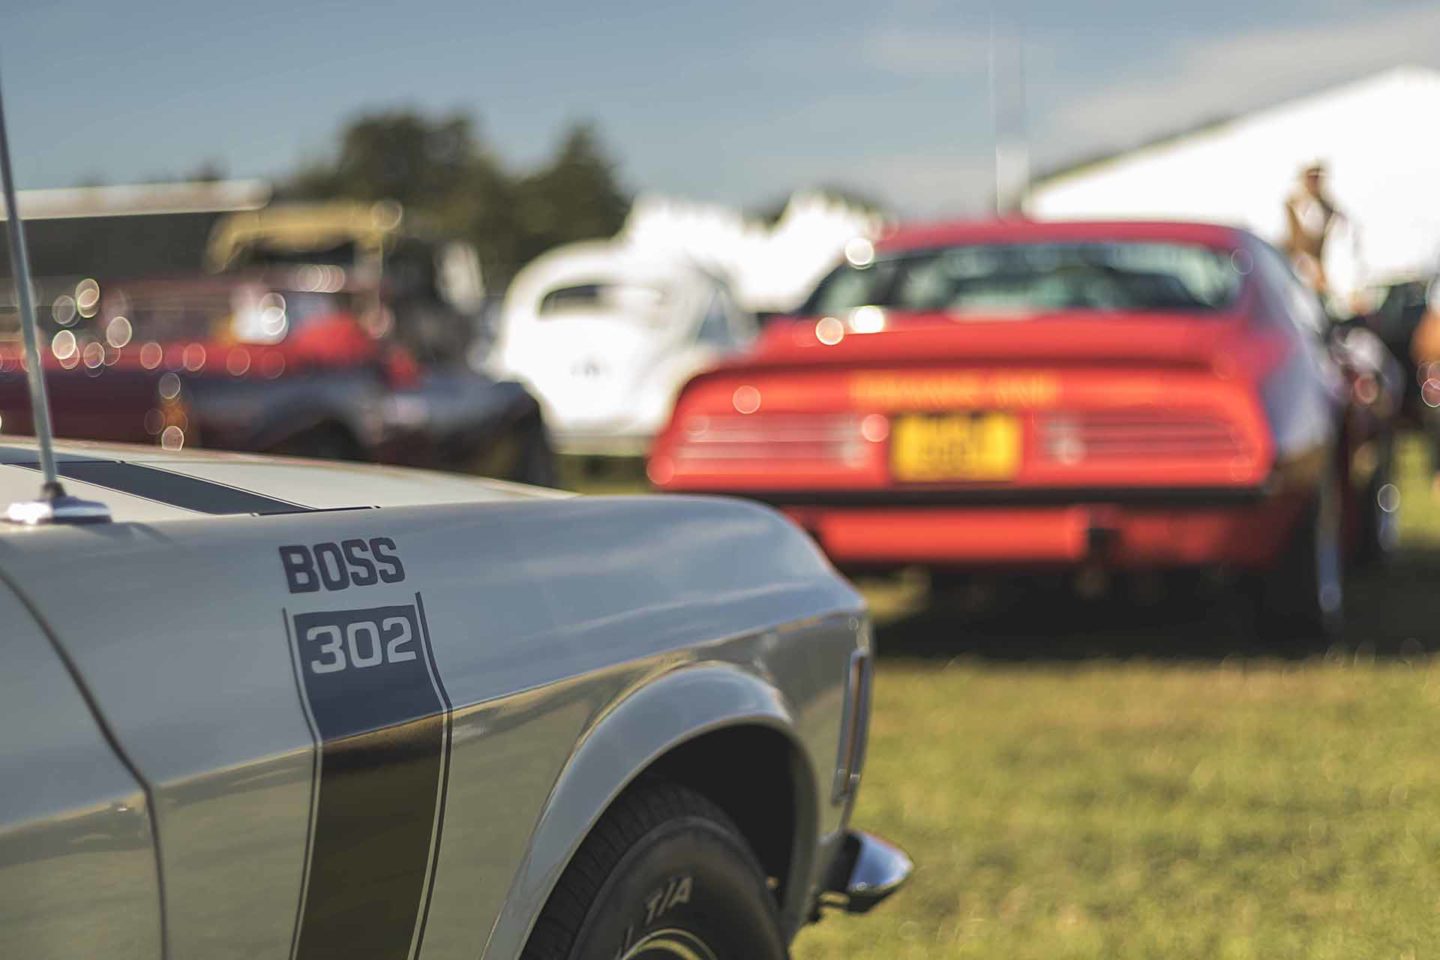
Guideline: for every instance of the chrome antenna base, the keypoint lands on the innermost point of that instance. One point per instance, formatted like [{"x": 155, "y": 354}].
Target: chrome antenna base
[{"x": 63, "y": 509}]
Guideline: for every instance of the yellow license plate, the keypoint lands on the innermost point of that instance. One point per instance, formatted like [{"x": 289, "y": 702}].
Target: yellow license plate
[{"x": 974, "y": 446}]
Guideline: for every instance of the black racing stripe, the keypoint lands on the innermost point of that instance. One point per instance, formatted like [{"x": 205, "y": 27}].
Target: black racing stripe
[
  {"x": 174, "y": 489},
  {"x": 382, "y": 721},
  {"x": 314, "y": 781},
  {"x": 444, "y": 773}
]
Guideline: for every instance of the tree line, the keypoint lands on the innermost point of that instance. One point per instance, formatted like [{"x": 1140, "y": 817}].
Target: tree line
[{"x": 452, "y": 184}]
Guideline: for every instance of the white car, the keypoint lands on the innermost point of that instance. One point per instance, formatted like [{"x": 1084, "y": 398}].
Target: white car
[
  {"x": 606, "y": 335},
  {"x": 283, "y": 710}
]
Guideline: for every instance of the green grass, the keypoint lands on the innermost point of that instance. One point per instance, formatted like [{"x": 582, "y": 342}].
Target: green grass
[
  {"x": 1134, "y": 810},
  {"x": 1217, "y": 806},
  {"x": 599, "y": 476},
  {"x": 1144, "y": 785}
]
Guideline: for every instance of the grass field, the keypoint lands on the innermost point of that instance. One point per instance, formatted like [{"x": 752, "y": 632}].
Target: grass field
[{"x": 1146, "y": 782}]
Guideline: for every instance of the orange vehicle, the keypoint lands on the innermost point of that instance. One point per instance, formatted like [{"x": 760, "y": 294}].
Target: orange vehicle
[{"x": 1028, "y": 396}]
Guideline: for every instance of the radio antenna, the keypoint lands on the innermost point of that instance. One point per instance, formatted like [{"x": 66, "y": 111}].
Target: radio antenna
[{"x": 54, "y": 505}]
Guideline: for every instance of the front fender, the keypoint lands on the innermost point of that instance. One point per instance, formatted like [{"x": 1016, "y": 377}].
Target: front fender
[{"x": 626, "y": 740}]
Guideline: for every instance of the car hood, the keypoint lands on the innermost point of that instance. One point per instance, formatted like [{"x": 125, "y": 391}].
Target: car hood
[{"x": 148, "y": 484}]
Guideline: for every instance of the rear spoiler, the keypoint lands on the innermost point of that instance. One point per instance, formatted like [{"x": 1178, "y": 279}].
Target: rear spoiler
[{"x": 1168, "y": 340}]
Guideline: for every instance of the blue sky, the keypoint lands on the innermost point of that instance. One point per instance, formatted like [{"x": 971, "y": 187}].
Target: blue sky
[{"x": 737, "y": 102}]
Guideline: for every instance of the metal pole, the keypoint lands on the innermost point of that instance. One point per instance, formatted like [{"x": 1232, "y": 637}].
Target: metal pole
[
  {"x": 993, "y": 73},
  {"x": 20, "y": 273},
  {"x": 1022, "y": 131}
]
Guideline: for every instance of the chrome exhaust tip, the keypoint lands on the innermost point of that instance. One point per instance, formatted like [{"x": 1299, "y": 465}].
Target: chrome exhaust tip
[{"x": 866, "y": 871}]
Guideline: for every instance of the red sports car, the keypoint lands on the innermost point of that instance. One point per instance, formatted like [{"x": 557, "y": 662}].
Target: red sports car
[{"x": 1035, "y": 396}]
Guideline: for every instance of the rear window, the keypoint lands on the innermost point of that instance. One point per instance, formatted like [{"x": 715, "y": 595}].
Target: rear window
[
  {"x": 618, "y": 298},
  {"x": 1036, "y": 277}
]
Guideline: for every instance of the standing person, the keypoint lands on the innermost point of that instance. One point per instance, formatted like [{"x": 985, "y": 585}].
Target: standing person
[{"x": 1309, "y": 216}]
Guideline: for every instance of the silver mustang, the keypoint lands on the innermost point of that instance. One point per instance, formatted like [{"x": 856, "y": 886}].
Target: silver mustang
[{"x": 287, "y": 709}]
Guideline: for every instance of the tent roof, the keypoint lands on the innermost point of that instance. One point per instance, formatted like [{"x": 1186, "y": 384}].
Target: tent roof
[{"x": 1377, "y": 137}]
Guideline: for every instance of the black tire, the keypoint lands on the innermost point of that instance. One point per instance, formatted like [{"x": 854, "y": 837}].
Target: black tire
[
  {"x": 1302, "y": 600},
  {"x": 1379, "y": 509},
  {"x": 536, "y": 463},
  {"x": 522, "y": 454},
  {"x": 664, "y": 875}
]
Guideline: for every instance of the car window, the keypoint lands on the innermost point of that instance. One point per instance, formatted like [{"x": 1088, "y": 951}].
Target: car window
[
  {"x": 715, "y": 326},
  {"x": 640, "y": 301},
  {"x": 1037, "y": 277}
]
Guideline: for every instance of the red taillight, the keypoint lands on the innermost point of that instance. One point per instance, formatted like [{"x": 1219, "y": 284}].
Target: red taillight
[
  {"x": 1145, "y": 434},
  {"x": 733, "y": 439}
]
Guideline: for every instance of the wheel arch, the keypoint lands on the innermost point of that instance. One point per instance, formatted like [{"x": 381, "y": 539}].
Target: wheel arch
[
  {"x": 677, "y": 726},
  {"x": 758, "y": 776}
]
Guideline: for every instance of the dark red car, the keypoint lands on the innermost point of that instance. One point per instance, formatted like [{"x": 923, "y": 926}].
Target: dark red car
[{"x": 288, "y": 361}]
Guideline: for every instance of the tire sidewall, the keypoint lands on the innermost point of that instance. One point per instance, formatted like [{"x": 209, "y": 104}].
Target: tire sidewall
[
  {"x": 1302, "y": 599},
  {"x": 1380, "y": 527},
  {"x": 537, "y": 459},
  {"x": 1328, "y": 557},
  {"x": 688, "y": 880}
]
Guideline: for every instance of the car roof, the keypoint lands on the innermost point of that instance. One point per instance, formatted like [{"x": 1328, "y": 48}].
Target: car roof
[{"x": 921, "y": 236}]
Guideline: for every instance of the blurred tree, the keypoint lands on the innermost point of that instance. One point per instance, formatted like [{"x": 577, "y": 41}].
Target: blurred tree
[
  {"x": 396, "y": 155},
  {"x": 446, "y": 178},
  {"x": 772, "y": 211},
  {"x": 574, "y": 197}
]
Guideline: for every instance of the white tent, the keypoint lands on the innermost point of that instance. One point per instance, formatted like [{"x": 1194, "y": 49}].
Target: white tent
[
  {"x": 1378, "y": 137},
  {"x": 772, "y": 268}
]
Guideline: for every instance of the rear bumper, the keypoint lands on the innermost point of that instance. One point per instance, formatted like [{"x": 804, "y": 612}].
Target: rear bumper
[{"x": 1247, "y": 533}]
